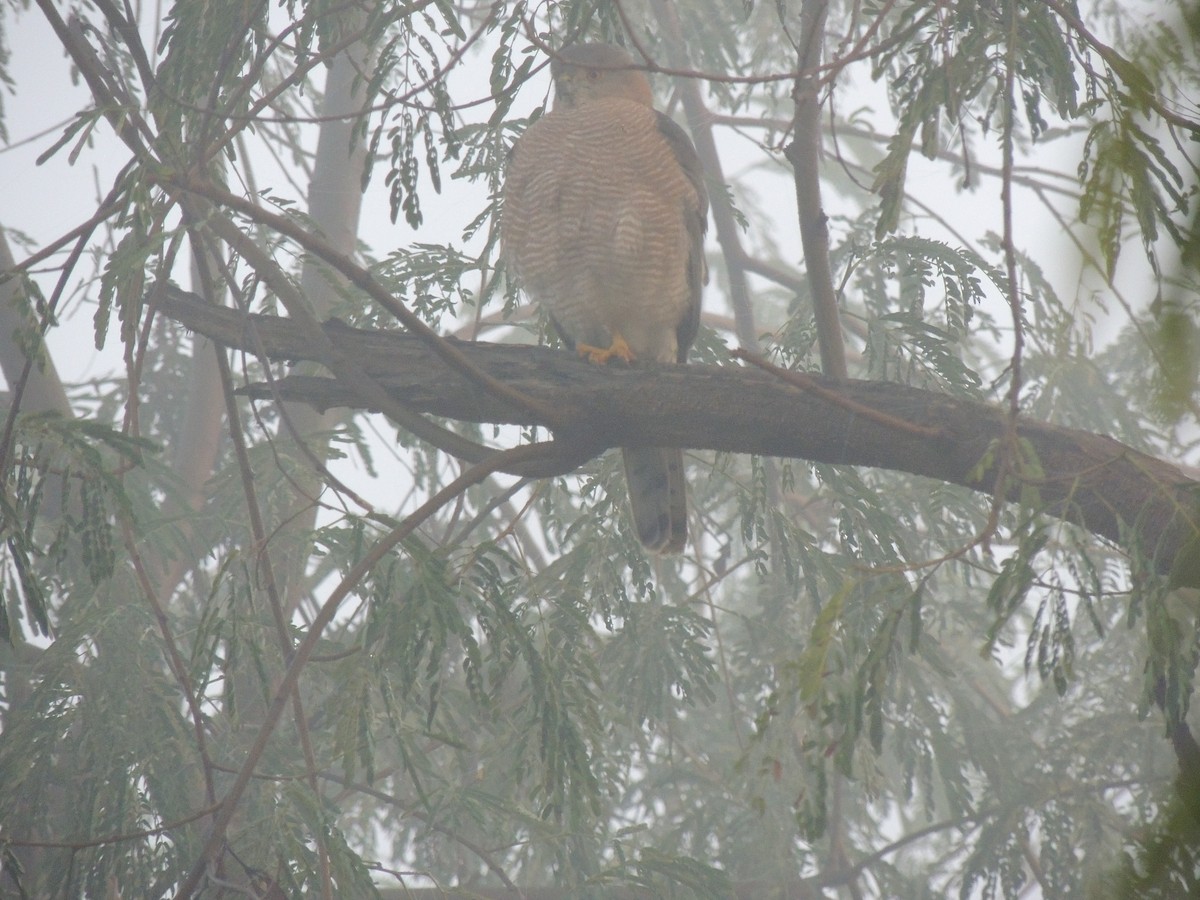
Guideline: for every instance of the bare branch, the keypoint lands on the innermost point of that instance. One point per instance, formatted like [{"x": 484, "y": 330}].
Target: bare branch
[
  {"x": 1092, "y": 480},
  {"x": 700, "y": 123},
  {"x": 804, "y": 155}
]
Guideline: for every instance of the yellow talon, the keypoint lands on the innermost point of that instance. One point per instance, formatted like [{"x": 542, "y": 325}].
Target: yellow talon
[{"x": 600, "y": 355}]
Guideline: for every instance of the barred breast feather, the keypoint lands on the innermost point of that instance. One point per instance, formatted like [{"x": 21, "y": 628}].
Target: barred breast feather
[{"x": 603, "y": 222}]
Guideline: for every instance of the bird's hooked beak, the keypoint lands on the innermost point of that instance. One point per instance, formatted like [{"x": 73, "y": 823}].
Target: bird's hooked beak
[{"x": 565, "y": 78}]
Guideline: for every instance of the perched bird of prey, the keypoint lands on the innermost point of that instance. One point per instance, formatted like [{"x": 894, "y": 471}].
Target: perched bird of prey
[{"x": 604, "y": 217}]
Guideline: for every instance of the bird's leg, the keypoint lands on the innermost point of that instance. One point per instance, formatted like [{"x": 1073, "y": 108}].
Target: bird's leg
[{"x": 600, "y": 355}]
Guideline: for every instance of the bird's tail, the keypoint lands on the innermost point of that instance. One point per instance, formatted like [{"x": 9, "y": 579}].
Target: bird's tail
[{"x": 657, "y": 497}]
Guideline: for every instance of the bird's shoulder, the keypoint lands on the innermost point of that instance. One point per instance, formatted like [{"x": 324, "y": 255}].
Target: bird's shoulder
[{"x": 595, "y": 114}]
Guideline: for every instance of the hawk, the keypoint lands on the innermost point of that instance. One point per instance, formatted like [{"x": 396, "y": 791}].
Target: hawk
[{"x": 604, "y": 216}]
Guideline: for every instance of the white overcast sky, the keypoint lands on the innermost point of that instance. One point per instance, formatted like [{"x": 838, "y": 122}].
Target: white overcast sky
[{"x": 45, "y": 202}]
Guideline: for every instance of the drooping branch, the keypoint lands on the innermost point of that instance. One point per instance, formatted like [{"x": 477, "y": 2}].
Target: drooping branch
[{"x": 1094, "y": 481}]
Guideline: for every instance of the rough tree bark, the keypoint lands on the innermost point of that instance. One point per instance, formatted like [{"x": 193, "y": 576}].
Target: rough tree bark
[{"x": 1114, "y": 491}]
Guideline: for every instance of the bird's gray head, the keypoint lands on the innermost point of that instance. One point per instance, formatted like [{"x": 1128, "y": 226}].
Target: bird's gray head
[{"x": 586, "y": 72}]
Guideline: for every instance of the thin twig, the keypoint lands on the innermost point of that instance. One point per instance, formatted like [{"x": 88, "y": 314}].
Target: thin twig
[
  {"x": 807, "y": 383},
  {"x": 282, "y": 630},
  {"x": 321, "y": 621},
  {"x": 114, "y": 838},
  {"x": 1120, "y": 65},
  {"x": 175, "y": 661},
  {"x": 700, "y": 123},
  {"x": 411, "y": 809},
  {"x": 365, "y": 281}
]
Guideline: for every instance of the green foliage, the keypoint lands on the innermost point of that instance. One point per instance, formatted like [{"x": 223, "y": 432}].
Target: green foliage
[
  {"x": 1178, "y": 348},
  {"x": 1125, "y": 166},
  {"x": 72, "y": 466},
  {"x": 854, "y": 681}
]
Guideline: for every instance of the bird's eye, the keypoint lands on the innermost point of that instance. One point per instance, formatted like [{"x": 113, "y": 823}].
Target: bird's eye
[{"x": 593, "y": 74}]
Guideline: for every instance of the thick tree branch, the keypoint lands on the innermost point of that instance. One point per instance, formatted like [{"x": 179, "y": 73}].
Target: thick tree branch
[
  {"x": 1108, "y": 488},
  {"x": 804, "y": 154}
]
